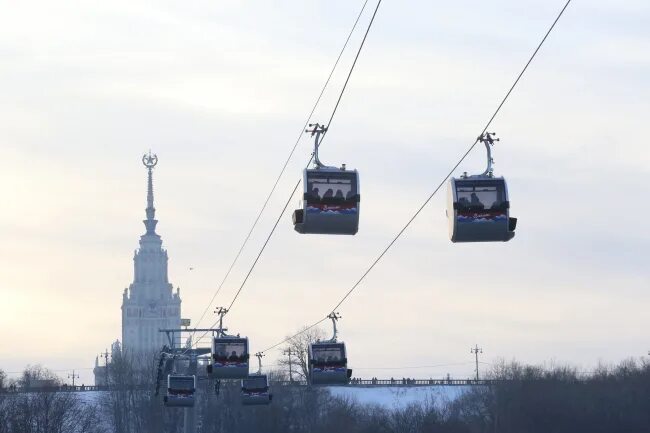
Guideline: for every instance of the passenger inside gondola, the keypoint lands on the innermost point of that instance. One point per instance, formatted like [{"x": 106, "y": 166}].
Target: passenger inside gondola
[
  {"x": 328, "y": 356},
  {"x": 475, "y": 203},
  {"x": 333, "y": 187},
  {"x": 497, "y": 205},
  {"x": 230, "y": 352}
]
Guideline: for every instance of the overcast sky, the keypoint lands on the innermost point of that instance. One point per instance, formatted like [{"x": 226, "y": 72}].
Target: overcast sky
[{"x": 220, "y": 89}]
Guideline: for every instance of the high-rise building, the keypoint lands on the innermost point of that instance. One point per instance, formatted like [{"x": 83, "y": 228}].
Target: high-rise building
[{"x": 149, "y": 303}]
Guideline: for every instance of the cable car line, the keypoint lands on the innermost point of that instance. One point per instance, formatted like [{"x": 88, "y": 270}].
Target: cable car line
[
  {"x": 250, "y": 271},
  {"x": 460, "y": 161},
  {"x": 354, "y": 63},
  {"x": 329, "y": 213},
  {"x": 268, "y": 238},
  {"x": 286, "y": 163},
  {"x": 277, "y": 221},
  {"x": 419, "y": 210},
  {"x": 313, "y": 325}
]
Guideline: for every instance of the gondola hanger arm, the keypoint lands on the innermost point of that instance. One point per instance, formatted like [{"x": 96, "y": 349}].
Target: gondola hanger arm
[
  {"x": 318, "y": 132},
  {"x": 259, "y": 356},
  {"x": 221, "y": 331},
  {"x": 334, "y": 316},
  {"x": 488, "y": 140}
]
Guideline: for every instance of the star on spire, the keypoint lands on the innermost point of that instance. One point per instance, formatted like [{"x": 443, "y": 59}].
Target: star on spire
[{"x": 150, "y": 160}]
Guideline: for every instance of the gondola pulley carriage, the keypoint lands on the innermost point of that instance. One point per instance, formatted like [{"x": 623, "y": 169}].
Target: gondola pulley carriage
[
  {"x": 180, "y": 390},
  {"x": 479, "y": 206},
  {"x": 327, "y": 360},
  {"x": 330, "y": 202}
]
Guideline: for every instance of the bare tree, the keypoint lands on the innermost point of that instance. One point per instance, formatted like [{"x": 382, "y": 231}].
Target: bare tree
[
  {"x": 50, "y": 411},
  {"x": 36, "y": 376},
  {"x": 131, "y": 404},
  {"x": 298, "y": 347}
]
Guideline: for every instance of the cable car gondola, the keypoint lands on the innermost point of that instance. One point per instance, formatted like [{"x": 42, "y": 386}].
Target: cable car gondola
[
  {"x": 330, "y": 203},
  {"x": 327, "y": 360},
  {"x": 229, "y": 357},
  {"x": 229, "y": 354},
  {"x": 479, "y": 206},
  {"x": 255, "y": 388},
  {"x": 180, "y": 390}
]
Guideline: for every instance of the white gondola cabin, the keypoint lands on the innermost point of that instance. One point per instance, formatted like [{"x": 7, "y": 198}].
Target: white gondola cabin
[
  {"x": 330, "y": 201},
  {"x": 255, "y": 390},
  {"x": 180, "y": 390},
  {"x": 478, "y": 207},
  {"x": 327, "y": 360},
  {"x": 328, "y": 364},
  {"x": 229, "y": 357}
]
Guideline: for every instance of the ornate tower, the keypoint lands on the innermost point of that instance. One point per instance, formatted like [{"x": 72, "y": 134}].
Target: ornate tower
[{"x": 149, "y": 304}]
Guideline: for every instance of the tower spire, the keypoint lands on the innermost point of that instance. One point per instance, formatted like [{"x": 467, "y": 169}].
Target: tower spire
[{"x": 150, "y": 160}]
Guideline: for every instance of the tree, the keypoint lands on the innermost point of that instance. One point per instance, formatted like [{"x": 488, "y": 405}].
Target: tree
[
  {"x": 51, "y": 411},
  {"x": 298, "y": 345},
  {"x": 36, "y": 376},
  {"x": 131, "y": 404}
]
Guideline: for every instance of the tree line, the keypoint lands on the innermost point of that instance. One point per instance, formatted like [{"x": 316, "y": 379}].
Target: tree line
[
  {"x": 525, "y": 399},
  {"x": 45, "y": 412}
]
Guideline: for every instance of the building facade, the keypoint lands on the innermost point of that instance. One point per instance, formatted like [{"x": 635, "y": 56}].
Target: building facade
[{"x": 150, "y": 302}]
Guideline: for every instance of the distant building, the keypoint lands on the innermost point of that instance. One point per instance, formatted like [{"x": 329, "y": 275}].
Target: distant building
[
  {"x": 101, "y": 371},
  {"x": 149, "y": 303}
]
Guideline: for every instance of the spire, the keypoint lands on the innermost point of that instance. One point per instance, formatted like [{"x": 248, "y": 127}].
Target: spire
[{"x": 150, "y": 160}]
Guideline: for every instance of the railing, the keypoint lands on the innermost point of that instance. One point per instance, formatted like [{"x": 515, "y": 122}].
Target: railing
[
  {"x": 69, "y": 388},
  {"x": 353, "y": 383},
  {"x": 403, "y": 382}
]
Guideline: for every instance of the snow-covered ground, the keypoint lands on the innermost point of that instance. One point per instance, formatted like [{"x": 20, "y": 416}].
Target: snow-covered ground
[
  {"x": 390, "y": 397},
  {"x": 399, "y": 397},
  {"x": 91, "y": 397}
]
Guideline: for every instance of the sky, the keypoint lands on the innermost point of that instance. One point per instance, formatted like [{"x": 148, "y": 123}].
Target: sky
[{"x": 219, "y": 90}]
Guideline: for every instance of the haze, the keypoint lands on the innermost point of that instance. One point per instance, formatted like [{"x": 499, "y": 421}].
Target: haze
[{"x": 219, "y": 91}]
